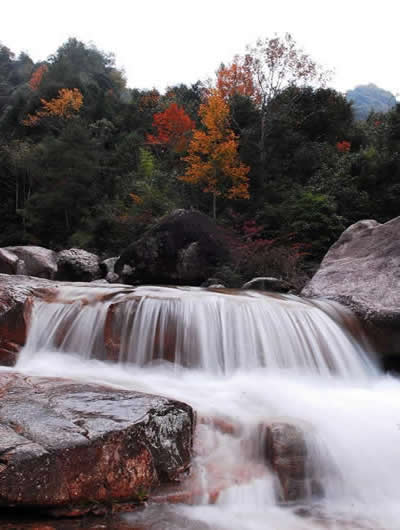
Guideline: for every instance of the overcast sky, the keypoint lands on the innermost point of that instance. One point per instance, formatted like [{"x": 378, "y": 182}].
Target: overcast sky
[{"x": 164, "y": 42}]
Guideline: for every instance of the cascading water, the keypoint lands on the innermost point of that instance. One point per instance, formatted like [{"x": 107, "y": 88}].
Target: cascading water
[
  {"x": 212, "y": 331},
  {"x": 243, "y": 361}
]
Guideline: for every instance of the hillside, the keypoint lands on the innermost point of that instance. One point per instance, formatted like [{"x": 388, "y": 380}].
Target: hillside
[{"x": 368, "y": 98}]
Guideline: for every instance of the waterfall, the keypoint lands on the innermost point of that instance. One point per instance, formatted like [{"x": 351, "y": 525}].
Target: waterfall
[
  {"x": 218, "y": 332},
  {"x": 244, "y": 361}
]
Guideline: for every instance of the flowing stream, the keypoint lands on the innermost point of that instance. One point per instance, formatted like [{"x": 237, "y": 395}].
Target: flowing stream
[{"x": 243, "y": 360}]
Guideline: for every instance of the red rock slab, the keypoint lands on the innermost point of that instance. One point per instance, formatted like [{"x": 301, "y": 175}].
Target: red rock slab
[{"x": 68, "y": 448}]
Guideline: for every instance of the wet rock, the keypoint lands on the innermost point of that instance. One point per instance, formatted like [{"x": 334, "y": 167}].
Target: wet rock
[
  {"x": 34, "y": 261},
  {"x": 362, "y": 270},
  {"x": 287, "y": 453},
  {"x": 15, "y": 292},
  {"x": 267, "y": 284},
  {"x": 90, "y": 522},
  {"x": 184, "y": 247},
  {"x": 70, "y": 448},
  {"x": 78, "y": 265}
]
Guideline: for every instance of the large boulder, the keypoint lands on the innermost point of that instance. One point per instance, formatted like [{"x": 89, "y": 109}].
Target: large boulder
[
  {"x": 33, "y": 261},
  {"x": 69, "y": 448},
  {"x": 15, "y": 291},
  {"x": 362, "y": 270},
  {"x": 78, "y": 265},
  {"x": 184, "y": 247}
]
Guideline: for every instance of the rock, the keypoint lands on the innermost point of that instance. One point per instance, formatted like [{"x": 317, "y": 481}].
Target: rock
[
  {"x": 14, "y": 312},
  {"x": 211, "y": 282},
  {"x": 13, "y": 521},
  {"x": 286, "y": 452},
  {"x": 391, "y": 363},
  {"x": 36, "y": 261},
  {"x": 112, "y": 277},
  {"x": 78, "y": 265},
  {"x": 8, "y": 262},
  {"x": 268, "y": 284},
  {"x": 21, "y": 268},
  {"x": 127, "y": 273},
  {"x": 362, "y": 270},
  {"x": 70, "y": 448},
  {"x": 184, "y": 247},
  {"x": 108, "y": 265},
  {"x": 188, "y": 261}
]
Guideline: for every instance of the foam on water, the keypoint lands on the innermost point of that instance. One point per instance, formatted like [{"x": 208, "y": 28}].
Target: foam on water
[{"x": 242, "y": 360}]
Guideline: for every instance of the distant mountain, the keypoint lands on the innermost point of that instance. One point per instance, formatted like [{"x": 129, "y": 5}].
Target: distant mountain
[{"x": 367, "y": 98}]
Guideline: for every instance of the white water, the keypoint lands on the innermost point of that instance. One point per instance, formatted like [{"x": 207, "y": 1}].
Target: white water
[{"x": 247, "y": 360}]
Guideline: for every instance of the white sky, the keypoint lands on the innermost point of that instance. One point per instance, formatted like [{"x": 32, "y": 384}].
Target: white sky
[{"x": 165, "y": 42}]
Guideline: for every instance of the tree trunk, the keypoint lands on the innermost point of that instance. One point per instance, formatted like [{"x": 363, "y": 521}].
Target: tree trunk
[
  {"x": 214, "y": 206},
  {"x": 263, "y": 154}
]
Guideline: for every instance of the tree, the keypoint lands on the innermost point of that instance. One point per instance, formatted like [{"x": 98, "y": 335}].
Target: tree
[
  {"x": 37, "y": 76},
  {"x": 6, "y": 63},
  {"x": 213, "y": 158},
  {"x": 266, "y": 69},
  {"x": 173, "y": 128},
  {"x": 236, "y": 78},
  {"x": 66, "y": 105},
  {"x": 67, "y": 187}
]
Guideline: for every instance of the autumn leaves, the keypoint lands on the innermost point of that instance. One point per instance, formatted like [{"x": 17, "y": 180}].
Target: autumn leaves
[
  {"x": 209, "y": 152},
  {"x": 213, "y": 158},
  {"x": 66, "y": 105}
]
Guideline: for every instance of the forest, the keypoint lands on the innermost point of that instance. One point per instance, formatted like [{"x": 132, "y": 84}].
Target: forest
[{"x": 266, "y": 147}]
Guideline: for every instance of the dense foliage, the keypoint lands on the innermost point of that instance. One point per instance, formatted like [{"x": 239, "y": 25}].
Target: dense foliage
[{"x": 86, "y": 161}]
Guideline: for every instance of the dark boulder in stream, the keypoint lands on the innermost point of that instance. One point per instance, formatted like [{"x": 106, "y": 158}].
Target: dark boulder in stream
[
  {"x": 70, "y": 448},
  {"x": 183, "y": 248}
]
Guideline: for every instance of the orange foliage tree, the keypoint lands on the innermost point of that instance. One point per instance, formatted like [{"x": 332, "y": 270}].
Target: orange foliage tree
[
  {"x": 66, "y": 105},
  {"x": 173, "y": 128},
  {"x": 237, "y": 78},
  {"x": 37, "y": 77},
  {"x": 213, "y": 158}
]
